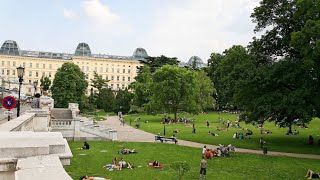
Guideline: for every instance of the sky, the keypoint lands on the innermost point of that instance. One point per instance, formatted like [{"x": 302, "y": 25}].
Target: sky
[{"x": 174, "y": 28}]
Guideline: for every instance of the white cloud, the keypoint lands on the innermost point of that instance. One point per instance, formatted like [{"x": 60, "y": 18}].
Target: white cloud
[
  {"x": 99, "y": 13},
  {"x": 200, "y": 27},
  {"x": 69, "y": 14}
]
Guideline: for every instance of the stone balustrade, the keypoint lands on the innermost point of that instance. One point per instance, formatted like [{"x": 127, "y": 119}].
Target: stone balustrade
[{"x": 21, "y": 123}]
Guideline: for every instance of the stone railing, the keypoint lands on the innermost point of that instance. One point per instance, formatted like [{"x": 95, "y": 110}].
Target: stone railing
[
  {"x": 107, "y": 133},
  {"x": 68, "y": 127},
  {"x": 21, "y": 123}
]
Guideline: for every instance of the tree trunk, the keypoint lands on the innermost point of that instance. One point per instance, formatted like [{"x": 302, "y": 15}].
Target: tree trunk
[
  {"x": 175, "y": 116},
  {"x": 290, "y": 129}
]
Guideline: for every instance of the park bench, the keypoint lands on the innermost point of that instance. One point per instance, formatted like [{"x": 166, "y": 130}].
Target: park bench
[{"x": 164, "y": 139}]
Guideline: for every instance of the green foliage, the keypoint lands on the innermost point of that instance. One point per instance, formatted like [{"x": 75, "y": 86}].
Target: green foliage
[
  {"x": 181, "y": 167},
  {"x": 156, "y": 62},
  {"x": 45, "y": 83},
  {"x": 98, "y": 83},
  {"x": 174, "y": 89},
  {"x": 105, "y": 99},
  {"x": 122, "y": 101},
  {"x": 69, "y": 86},
  {"x": 141, "y": 87},
  {"x": 226, "y": 71},
  {"x": 207, "y": 90}
]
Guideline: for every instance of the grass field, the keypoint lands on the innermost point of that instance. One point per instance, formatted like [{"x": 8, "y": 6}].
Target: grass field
[
  {"x": 277, "y": 141},
  {"x": 238, "y": 166}
]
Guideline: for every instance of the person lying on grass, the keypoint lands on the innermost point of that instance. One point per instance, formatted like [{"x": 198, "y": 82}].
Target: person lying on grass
[
  {"x": 311, "y": 174},
  {"x": 86, "y": 177},
  {"x": 124, "y": 164},
  {"x": 128, "y": 151},
  {"x": 155, "y": 164},
  {"x": 85, "y": 146}
]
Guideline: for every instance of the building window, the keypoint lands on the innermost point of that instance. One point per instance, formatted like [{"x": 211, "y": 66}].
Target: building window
[
  {"x": 111, "y": 86},
  {"x": 118, "y": 70},
  {"x": 37, "y": 74},
  {"x": 43, "y": 74},
  {"x": 2, "y": 71},
  {"x": 8, "y": 63},
  {"x": 118, "y": 86},
  {"x": 29, "y": 81},
  {"x": 49, "y": 74},
  {"x": 37, "y": 65},
  {"x": 106, "y": 69},
  {"x": 123, "y": 71},
  {"x": 112, "y": 70},
  {"x": 111, "y": 78},
  {"x": 8, "y": 72},
  {"x": 129, "y": 71},
  {"x": 82, "y": 68},
  {"x": 2, "y": 63},
  {"x": 87, "y": 68},
  {"x": 87, "y": 76},
  {"x": 13, "y": 72},
  {"x": 124, "y": 66},
  {"x": 122, "y": 86},
  {"x": 101, "y": 69},
  {"x": 13, "y": 63},
  {"x": 128, "y": 78},
  {"x": 24, "y": 65},
  {"x": 30, "y": 65},
  {"x": 106, "y": 77},
  {"x": 30, "y": 73},
  {"x": 50, "y": 66},
  {"x": 95, "y": 69},
  {"x": 123, "y": 78},
  {"x": 118, "y": 78}
]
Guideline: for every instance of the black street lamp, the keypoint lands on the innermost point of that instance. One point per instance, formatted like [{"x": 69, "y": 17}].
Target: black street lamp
[
  {"x": 20, "y": 71},
  {"x": 35, "y": 84}
]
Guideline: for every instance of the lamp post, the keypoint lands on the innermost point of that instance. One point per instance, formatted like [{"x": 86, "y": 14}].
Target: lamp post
[
  {"x": 35, "y": 84},
  {"x": 20, "y": 71}
]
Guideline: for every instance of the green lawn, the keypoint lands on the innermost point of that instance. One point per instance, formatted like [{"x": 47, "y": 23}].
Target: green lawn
[
  {"x": 99, "y": 115},
  {"x": 277, "y": 141},
  {"x": 238, "y": 166}
]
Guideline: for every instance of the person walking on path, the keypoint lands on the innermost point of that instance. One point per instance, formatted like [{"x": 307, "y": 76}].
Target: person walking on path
[
  {"x": 193, "y": 129},
  {"x": 203, "y": 168},
  {"x": 204, "y": 149}
]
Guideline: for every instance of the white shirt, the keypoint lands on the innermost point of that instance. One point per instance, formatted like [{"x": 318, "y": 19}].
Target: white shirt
[
  {"x": 234, "y": 136},
  {"x": 204, "y": 150}
]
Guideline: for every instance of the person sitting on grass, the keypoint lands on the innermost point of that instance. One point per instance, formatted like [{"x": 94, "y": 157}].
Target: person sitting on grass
[
  {"x": 176, "y": 131},
  {"x": 295, "y": 132},
  {"x": 311, "y": 174},
  {"x": 114, "y": 161},
  {"x": 235, "y": 136},
  {"x": 124, "y": 164},
  {"x": 249, "y": 133},
  {"x": 241, "y": 136},
  {"x": 128, "y": 151},
  {"x": 208, "y": 154},
  {"x": 85, "y": 146},
  {"x": 156, "y": 163}
]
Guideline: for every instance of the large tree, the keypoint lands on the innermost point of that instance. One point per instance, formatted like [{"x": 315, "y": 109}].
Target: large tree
[
  {"x": 174, "y": 89},
  {"x": 156, "y": 62},
  {"x": 283, "y": 85},
  {"x": 69, "y": 86},
  {"x": 205, "y": 97},
  {"x": 141, "y": 87},
  {"x": 122, "y": 101},
  {"x": 226, "y": 71}
]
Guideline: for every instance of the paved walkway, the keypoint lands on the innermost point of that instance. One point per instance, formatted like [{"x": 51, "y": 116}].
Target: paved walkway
[{"x": 130, "y": 134}]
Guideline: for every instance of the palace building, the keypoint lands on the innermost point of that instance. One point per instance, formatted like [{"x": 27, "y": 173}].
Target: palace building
[{"x": 119, "y": 70}]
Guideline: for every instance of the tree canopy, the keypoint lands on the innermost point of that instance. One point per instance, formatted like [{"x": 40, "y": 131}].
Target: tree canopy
[
  {"x": 174, "y": 89},
  {"x": 45, "y": 83},
  {"x": 69, "y": 85}
]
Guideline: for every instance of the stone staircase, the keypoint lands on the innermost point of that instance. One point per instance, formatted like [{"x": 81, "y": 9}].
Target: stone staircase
[{"x": 90, "y": 127}]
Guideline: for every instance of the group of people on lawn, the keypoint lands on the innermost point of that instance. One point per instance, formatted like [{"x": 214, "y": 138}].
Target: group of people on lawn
[{"x": 209, "y": 154}]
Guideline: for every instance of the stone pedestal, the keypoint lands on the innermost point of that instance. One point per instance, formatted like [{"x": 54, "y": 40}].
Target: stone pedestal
[{"x": 41, "y": 120}]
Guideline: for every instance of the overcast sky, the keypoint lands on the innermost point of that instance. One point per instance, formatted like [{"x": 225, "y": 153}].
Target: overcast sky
[{"x": 174, "y": 28}]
